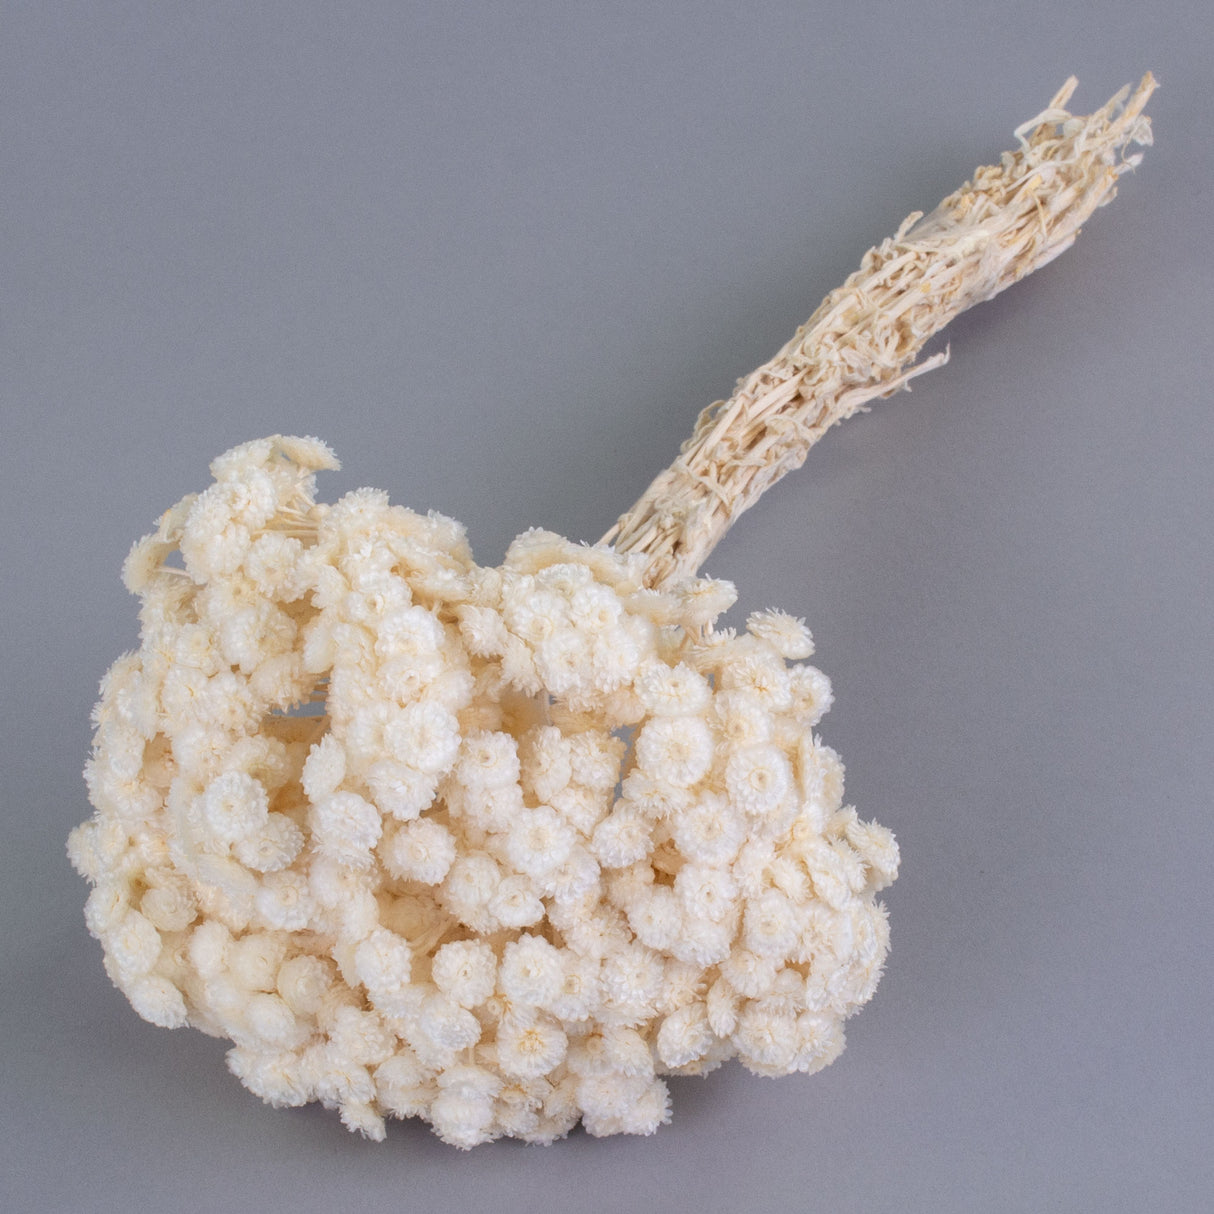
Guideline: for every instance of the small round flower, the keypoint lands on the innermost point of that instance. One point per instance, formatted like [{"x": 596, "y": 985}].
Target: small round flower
[
  {"x": 672, "y": 690},
  {"x": 744, "y": 721},
  {"x": 270, "y": 1021},
  {"x": 594, "y": 608},
  {"x": 538, "y": 841},
  {"x": 547, "y": 765},
  {"x": 529, "y": 1048},
  {"x": 468, "y": 887},
  {"x": 425, "y": 736},
  {"x": 656, "y": 917},
  {"x": 345, "y": 828},
  {"x": 594, "y": 757},
  {"x": 253, "y": 960},
  {"x": 488, "y": 760},
  {"x": 158, "y": 1001},
  {"x": 819, "y": 1041},
  {"x": 565, "y": 662},
  {"x": 409, "y": 632},
  {"x": 533, "y": 614},
  {"x": 758, "y": 778},
  {"x": 705, "y": 893},
  {"x": 615, "y": 656},
  {"x": 579, "y": 989},
  {"x": 811, "y": 694},
  {"x": 878, "y": 849},
  {"x": 772, "y": 927},
  {"x": 283, "y": 901},
  {"x": 704, "y": 942},
  {"x": 703, "y": 599},
  {"x": 516, "y": 903},
  {"x": 787, "y": 635},
  {"x": 447, "y": 1024},
  {"x": 209, "y": 948},
  {"x": 272, "y": 846},
  {"x": 422, "y": 850},
  {"x": 324, "y": 768},
  {"x": 382, "y": 963},
  {"x": 402, "y": 791},
  {"x": 709, "y": 832},
  {"x": 684, "y": 1036},
  {"x": 632, "y": 977},
  {"x": 531, "y": 972},
  {"x": 749, "y": 974},
  {"x": 679, "y": 749},
  {"x": 170, "y": 907},
  {"x": 767, "y": 1040},
  {"x": 622, "y": 838},
  {"x": 133, "y": 945},
  {"x": 462, "y": 1121},
  {"x": 582, "y": 808},
  {"x": 303, "y": 981},
  {"x": 465, "y": 970},
  {"x": 762, "y": 672},
  {"x": 234, "y": 806}
]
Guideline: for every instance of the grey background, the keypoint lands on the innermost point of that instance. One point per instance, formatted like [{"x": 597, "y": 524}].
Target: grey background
[{"x": 499, "y": 255}]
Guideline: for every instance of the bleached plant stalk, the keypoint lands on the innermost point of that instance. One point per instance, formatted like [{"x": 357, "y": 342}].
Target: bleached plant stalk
[{"x": 862, "y": 342}]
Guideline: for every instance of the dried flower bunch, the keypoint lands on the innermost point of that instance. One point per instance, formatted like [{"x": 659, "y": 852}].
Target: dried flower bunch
[{"x": 554, "y": 834}]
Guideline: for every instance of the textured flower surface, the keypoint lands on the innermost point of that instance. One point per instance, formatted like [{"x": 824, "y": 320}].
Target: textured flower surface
[{"x": 494, "y": 847}]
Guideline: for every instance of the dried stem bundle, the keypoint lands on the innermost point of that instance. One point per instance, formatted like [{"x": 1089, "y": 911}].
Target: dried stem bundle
[{"x": 862, "y": 342}]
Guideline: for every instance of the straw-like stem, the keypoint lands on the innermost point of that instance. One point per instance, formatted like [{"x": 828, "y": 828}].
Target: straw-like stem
[{"x": 863, "y": 340}]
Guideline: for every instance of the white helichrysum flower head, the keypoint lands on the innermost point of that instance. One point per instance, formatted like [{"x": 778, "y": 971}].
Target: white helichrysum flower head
[
  {"x": 336, "y": 894},
  {"x": 672, "y": 690},
  {"x": 170, "y": 906},
  {"x": 623, "y": 837},
  {"x": 488, "y": 759},
  {"x": 531, "y": 973},
  {"x": 538, "y": 841},
  {"x": 656, "y": 916},
  {"x": 759, "y": 669},
  {"x": 284, "y": 901},
  {"x": 758, "y": 779},
  {"x": 742, "y": 718},
  {"x": 680, "y": 749},
  {"x": 345, "y": 828},
  {"x": 324, "y": 769},
  {"x": 465, "y": 970},
  {"x": 471, "y": 882},
  {"x": 772, "y": 928},
  {"x": 547, "y": 762},
  {"x": 594, "y": 757},
  {"x": 529, "y": 1047},
  {"x": 382, "y": 962},
  {"x": 233, "y": 807},
  {"x": 811, "y": 694},
  {"x": 704, "y": 892},
  {"x": 710, "y": 831},
  {"x": 422, "y": 850},
  {"x": 703, "y": 599},
  {"x": 401, "y": 791},
  {"x": 272, "y": 846},
  {"x": 685, "y": 1036},
  {"x": 425, "y": 736},
  {"x": 787, "y": 635},
  {"x": 448, "y": 1024},
  {"x": 516, "y": 903}
]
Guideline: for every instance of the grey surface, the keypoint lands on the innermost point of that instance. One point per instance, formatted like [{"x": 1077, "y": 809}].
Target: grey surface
[{"x": 499, "y": 256}]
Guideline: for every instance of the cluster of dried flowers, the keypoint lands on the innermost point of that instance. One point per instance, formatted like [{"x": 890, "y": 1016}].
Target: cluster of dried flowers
[{"x": 553, "y": 835}]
